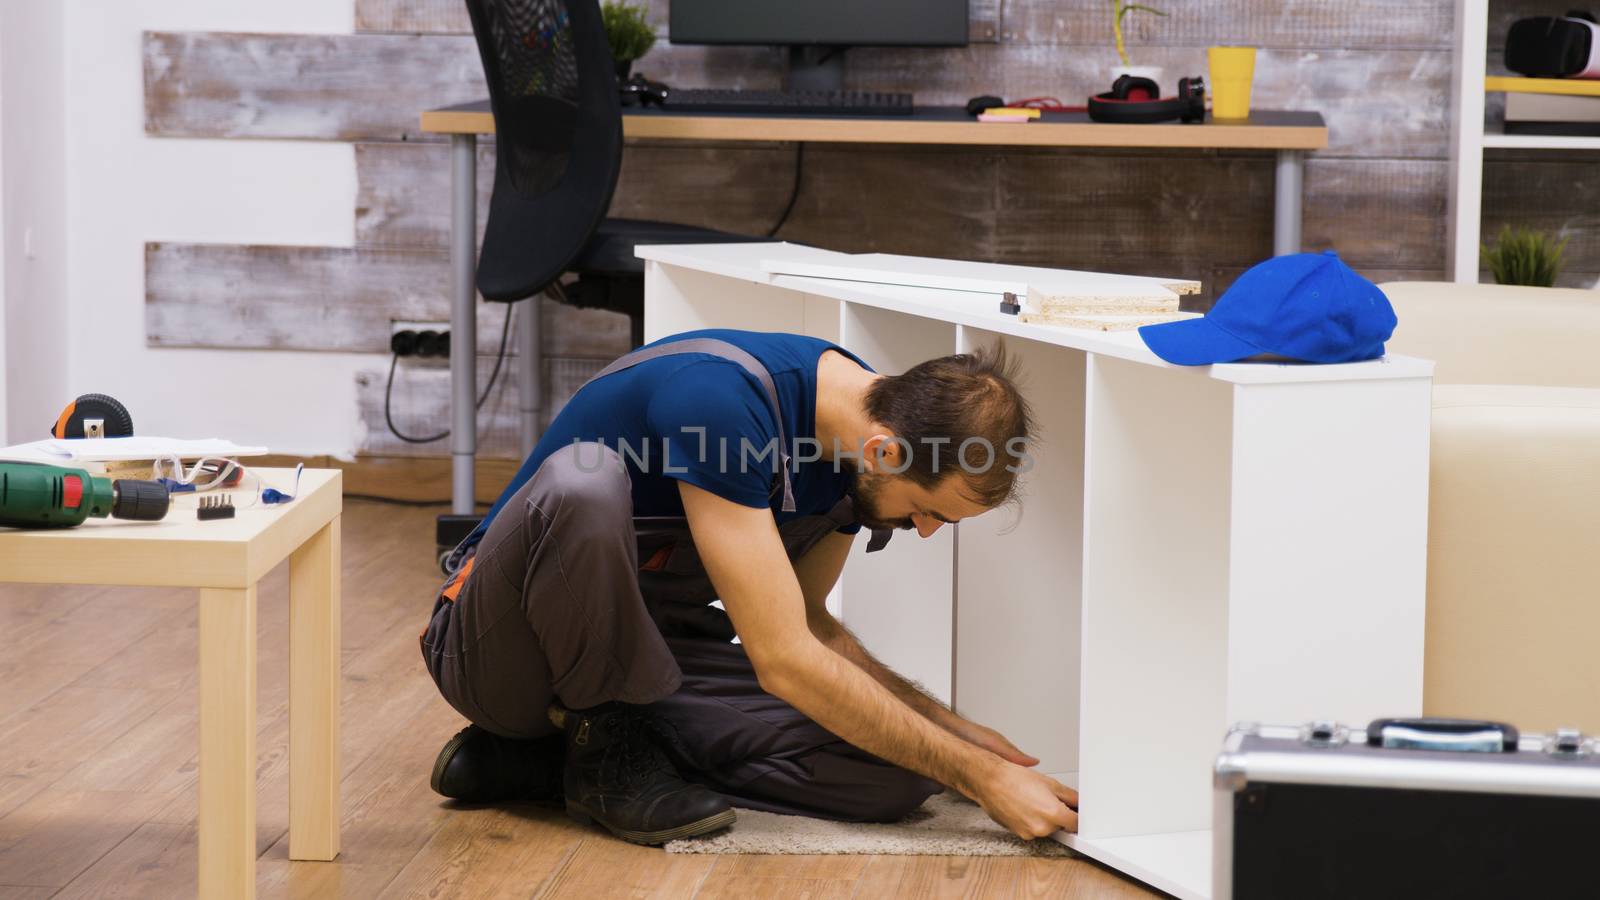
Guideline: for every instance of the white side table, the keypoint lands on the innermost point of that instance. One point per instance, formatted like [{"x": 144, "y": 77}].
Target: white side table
[{"x": 225, "y": 559}]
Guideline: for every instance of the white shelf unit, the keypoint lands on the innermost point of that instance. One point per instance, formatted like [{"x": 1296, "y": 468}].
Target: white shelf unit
[
  {"x": 1495, "y": 139},
  {"x": 1196, "y": 546},
  {"x": 1470, "y": 136}
]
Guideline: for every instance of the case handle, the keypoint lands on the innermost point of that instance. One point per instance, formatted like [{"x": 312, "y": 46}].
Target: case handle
[{"x": 1454, "y": 735}]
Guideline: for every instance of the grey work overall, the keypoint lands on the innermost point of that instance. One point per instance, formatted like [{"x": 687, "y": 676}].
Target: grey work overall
[{"x": 570, "y": 598}]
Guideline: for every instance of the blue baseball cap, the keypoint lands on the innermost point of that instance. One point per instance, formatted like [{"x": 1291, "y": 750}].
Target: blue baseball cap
[{"x": 1308, "y": 306}]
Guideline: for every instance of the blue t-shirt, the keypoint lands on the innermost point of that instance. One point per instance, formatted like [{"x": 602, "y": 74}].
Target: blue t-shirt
[{"x": 653, "y": 413}]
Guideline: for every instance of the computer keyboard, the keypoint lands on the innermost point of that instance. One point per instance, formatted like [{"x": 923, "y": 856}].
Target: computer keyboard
[{"x": 834, "y": 103}]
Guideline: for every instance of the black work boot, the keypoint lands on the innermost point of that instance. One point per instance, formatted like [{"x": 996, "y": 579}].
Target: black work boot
[
  {"x": 478, "y": 766},
  {"x": 617, "y": 774}
]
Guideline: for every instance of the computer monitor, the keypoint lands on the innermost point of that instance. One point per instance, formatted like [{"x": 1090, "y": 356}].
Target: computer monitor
[{"x": 816, "y": 30}]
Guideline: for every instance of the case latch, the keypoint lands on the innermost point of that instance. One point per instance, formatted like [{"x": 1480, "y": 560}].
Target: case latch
[
  {"x": 1566, "y": 742},
  {"x": 1322, "y": 733}
]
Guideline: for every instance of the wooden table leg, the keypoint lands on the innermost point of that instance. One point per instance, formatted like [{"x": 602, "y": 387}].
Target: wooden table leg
[
  {"x": 314, "y": 696},
  {"x": 228, "y": 742}
]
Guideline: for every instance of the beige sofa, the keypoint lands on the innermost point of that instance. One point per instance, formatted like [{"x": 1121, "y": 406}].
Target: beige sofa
[{"x": 1513, "y": 628}]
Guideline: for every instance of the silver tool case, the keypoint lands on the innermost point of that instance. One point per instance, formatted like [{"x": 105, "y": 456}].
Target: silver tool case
[{"x": 1414, "y": 808}]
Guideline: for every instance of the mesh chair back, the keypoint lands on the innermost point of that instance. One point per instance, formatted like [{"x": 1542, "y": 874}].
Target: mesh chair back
[{"x": 558, "y": 137}]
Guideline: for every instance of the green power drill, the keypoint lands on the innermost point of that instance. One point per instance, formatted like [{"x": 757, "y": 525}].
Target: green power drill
[{"x": 38, "y": 495}]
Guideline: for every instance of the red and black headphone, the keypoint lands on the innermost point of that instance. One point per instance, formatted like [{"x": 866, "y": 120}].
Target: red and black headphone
[{"x": 1135, "y": 100}]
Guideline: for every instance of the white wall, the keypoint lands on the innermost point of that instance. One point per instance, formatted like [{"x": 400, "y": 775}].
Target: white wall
[
  {"x": 114, "y": 188},
  {"x": 33, "y": 235}
]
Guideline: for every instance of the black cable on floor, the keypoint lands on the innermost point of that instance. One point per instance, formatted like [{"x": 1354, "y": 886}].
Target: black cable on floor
[
  {"x": 794, "y": 192},
  {"x": 388, "y": 389}
]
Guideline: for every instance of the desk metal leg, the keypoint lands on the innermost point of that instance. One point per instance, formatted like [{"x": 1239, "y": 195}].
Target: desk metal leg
[
  {"x": 1286, "y": 218},
  {"x": 228, "y": 742},
  {"x": 463, "y": 321},
  {"x": 314, "y": 696},
  {"x": 530, "y": 369}
]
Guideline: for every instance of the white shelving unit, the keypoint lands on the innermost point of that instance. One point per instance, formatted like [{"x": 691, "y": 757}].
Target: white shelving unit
[
  {"x": 1470, "y": 137},
  {"x": 1494, "y": 138},
  {"x": 1197, "y": 546}
]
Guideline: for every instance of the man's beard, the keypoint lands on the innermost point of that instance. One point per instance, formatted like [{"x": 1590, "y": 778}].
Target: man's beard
[{"x": 865, "y": 492}]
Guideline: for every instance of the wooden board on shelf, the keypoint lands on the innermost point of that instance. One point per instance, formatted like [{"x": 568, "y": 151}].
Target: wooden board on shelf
[
  {"x": 1522, "y": 85},
  {"x": 1517, "y": 84}
]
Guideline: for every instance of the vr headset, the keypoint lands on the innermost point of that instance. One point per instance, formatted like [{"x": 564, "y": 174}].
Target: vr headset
[
  {"x": 1548, "y": 47},
  {"x": 1135, "y": 100}
]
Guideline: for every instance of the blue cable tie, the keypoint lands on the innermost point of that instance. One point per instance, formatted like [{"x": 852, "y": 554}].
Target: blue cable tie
[{"x": 271, "y": 496}]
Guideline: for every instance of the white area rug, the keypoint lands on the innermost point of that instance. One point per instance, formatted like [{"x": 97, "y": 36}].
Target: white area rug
[{"x": 947, "y": 825}]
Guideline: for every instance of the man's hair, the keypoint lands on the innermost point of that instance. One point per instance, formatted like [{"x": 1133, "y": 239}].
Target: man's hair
[{"x": 938, "y": 405}]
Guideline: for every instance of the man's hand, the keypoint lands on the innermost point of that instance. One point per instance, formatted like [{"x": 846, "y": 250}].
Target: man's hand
[
  {"x": 992, "y": 741},
  {"x": 1031, "y": 805},
  {"x": 817, "y": 572},
  {"x": 744, "y": 556}
]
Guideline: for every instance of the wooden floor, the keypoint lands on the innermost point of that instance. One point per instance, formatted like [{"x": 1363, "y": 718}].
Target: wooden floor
[{"x": 98, "y": 755}]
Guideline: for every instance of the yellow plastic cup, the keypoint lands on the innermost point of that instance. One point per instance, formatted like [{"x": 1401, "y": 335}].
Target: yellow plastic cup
[{"x": 1232, "y": 70}]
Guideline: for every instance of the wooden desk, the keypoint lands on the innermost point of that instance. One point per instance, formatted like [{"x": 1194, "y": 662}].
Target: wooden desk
[
  {"x": 225, "y": 559},
  {"x": 1266, "y": 130},
  {"x": 1290, "y": 134}
]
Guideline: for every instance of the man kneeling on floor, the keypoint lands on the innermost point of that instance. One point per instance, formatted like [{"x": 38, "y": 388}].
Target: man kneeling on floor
[{"x": 577, "y": 637}]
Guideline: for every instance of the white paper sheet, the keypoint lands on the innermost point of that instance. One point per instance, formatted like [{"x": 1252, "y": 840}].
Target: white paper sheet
[
  {"x": 52, "y": 450},
  {"x": 983, "y": 278}
]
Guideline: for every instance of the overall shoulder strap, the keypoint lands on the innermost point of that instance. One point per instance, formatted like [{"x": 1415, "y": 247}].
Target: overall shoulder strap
[
  {"x": 732, "y": 353},
  {"x": 844, "y": 513}
]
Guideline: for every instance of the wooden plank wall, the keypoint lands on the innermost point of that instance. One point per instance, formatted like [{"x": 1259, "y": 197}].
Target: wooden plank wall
[{"x": 1379, "y": 71}]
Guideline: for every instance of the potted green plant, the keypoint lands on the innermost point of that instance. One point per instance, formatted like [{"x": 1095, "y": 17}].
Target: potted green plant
[
  {"x": 1524, "y": 256},
  {"x": 1120, "y": 11},
  {"x": 629, "y": 35}
]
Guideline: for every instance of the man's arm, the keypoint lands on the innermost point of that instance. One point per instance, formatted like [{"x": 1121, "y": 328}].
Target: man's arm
[
  {"x": 817, "y": 573},
  {"x": 742, "y": 553}
]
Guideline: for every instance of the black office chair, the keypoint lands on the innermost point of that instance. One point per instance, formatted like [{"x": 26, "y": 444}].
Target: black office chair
[{"x": 558, "y": 149}]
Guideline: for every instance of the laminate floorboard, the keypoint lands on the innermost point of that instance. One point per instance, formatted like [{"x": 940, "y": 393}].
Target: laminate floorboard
[{"x": 98, "y": 779}]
